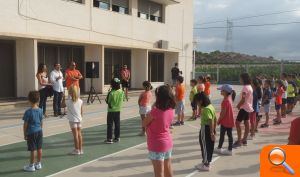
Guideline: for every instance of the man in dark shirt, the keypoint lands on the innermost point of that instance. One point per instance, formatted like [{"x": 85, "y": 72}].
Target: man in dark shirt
[{"x": 175, "y": 73}]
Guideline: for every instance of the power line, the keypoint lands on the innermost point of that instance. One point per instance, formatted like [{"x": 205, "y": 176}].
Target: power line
[
  {"x": 248, "y": 17},
  {"x": 250, "y": 25}
]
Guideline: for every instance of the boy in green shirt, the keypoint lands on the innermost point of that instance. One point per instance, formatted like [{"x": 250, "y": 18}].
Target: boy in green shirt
[
  {"x": 193, "y": 92},
  {"x": 114, "y": 100},
  {"x": 208, "y": 129}
]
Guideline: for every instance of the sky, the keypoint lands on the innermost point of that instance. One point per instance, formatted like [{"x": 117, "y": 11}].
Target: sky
[{"x": 281, "y": 41}]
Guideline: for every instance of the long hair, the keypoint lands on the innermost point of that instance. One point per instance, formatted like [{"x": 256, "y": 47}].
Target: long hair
[
  {"x": 73, "y": 92},
  {"x": 202, "y": 99},
  {"x": 165, "y": 98},
  {"x": 40, "y": 68}
]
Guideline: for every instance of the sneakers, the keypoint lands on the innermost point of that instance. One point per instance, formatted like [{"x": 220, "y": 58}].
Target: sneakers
[
  {"x": 81, "y": 152},
  {"x": 181, "y": 123},
  {"x": 38, "y": 165},
  {"x": 218, "y": 150},
  {"x": 227, "y": 153},
  {"x": 236, "y": 144},
  {"x": 171, "y": 127},
  {"x": 116, "y": 140},
  {"x": 244, "y": 143},
  {"x": 108, "y": 142},
  {"x": 29, "y": 168},
  {"x": 264, "y": 125},
  {"x": 75, "y": 152},
  {"x": 202, "y": 167},
  {"x": 178, "y": 123}
]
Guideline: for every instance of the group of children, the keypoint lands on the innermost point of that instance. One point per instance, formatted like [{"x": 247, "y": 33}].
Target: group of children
[{"x": 158, "y": 118}]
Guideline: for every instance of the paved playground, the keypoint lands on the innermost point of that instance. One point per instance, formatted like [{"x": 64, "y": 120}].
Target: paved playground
[{"x": 127, "y": 158}]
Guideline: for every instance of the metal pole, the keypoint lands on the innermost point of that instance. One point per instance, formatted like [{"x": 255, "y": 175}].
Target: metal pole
[{"x": 218, "y": 72}]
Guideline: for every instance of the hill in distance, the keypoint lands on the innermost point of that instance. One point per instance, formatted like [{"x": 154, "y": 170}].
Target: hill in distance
[{"x": 218, "y": 57}]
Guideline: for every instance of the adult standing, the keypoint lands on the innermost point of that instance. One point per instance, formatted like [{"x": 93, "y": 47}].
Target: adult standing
[
  {"x": 73, "y": 76},
  {"x": 125, "y": 76},
  {"x": 43, "y": 83},
  {"x": 175, "y": 73},
  {"x": 56, "y": 78}
]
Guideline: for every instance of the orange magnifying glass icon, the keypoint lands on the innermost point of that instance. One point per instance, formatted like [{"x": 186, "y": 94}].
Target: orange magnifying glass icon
[{"x": 277, "y": 157}]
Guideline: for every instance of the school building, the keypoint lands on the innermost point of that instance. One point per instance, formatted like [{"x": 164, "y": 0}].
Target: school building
[{"x": 147, "y": 35}]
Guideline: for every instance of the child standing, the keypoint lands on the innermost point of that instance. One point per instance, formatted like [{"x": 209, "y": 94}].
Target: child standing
[
  {"x": 253, "y": 116},
  {"x": 266, "y": 101},
  {"x": 74, "y": 106},
  {"x": 226, "y": 118},
  {"x": 179, "y": 96},
  {"x": 291, "y": 94},
  {"x": 245, "y": 108},
  {"x": 193, "y": 92},
  {"x": 207, "y": 131},
  {"x": 159, "y": 139},
  {"x": 207, "y": 86},
  {"x": 145, "y": 103},
  {"x": 114, "y": 100},
  {"x": 33, "y": 133},
  {"x": 278, "y": 101},
  {"x": 201, "y": 86}
]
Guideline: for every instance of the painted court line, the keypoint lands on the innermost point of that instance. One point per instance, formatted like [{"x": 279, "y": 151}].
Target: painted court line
[
  {"x": 66, "y": 131},
  {"x": 124, "y": 150},
  {"x": 197, "y": 171}
]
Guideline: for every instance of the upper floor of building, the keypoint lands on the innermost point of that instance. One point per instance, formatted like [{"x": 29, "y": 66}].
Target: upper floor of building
[{"x": 128, "y": 23}]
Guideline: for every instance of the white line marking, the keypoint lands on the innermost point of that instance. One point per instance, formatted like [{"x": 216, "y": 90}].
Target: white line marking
[
  {"x": 197, "y": 171},
  {"x": 109, "y": 155},
  {"x": 63, "y": 131}
]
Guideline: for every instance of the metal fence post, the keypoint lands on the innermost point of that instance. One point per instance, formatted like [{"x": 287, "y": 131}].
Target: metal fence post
[{"x": 218, "y": 72}]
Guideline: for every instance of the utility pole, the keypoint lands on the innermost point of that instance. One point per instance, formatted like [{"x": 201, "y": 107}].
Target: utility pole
[
  {"x": 194, "y": 57},
  {"x": 229, "y": 37}
]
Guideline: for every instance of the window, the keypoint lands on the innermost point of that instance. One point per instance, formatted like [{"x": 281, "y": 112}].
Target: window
[
  {"x": 79, "y": 1},
  {"x": 102, "y": 4},
  {"x": 156, "y": 67},
  {"x": 150, "y": 10},
  {"x": 114, "y": 59},
  {"x": 120, "y": 6}
]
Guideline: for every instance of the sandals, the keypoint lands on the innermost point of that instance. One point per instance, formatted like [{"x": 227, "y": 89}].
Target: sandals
[{"x": 277, "y": 122}]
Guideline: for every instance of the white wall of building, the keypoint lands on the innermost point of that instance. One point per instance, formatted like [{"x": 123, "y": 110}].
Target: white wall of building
[{"x": 61, "y": 21}]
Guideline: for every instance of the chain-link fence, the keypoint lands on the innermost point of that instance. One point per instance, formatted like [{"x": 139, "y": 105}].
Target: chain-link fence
[{"x": 229, "y": 73}]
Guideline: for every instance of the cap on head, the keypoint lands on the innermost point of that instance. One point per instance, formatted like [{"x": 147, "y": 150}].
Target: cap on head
[{"x": 226, "y": 87}]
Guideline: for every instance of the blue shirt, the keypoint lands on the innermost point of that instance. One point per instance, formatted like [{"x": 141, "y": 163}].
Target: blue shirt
[
  {"x": 33, "y": 117},
  {"x": 255, "y": 102}
]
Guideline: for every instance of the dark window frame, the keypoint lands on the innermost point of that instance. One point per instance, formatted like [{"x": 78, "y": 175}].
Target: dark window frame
[{"x": 156, "y": 67}]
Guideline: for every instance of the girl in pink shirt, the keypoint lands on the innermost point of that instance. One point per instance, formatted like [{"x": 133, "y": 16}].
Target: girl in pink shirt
[
  {"x": 145, "y": 103},
  {"x": 226, "y": 118},
  {"x": 157, "y": 124}
]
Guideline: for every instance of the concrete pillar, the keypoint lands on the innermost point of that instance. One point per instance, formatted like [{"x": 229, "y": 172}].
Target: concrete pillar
[
  {"x": 94, "y": 53},
  {"x": 27, "y": 63},
  {"x": 139, "y": 67},
  {"x": 170, "y": 60}
]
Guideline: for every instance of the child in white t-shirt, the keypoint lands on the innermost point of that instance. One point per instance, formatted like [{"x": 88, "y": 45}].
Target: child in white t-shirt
[{"x": 74, "y": 106}]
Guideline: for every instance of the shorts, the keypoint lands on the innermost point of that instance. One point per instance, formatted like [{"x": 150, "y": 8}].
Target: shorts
[
  {"x": 267, "y": 108},
  {"x": 125, "y": 84},
  {"x": 194, "y": 106},
  {"x": 277, "y": 107},
  {"x": 75, "y": 124},
  {"x": 160, "y": 155},
  {"x": 284, "y": 100},
  {"x": 252, "y": 117},
  {"x": 35, "y": 141},
  {"x": 144, "y": 110},
  {"x": 174, "y": 81},
  {"x": 242, "y": 115},
  {"x": 179, "y": 107},
  {"x": 290, "y": 100}
]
